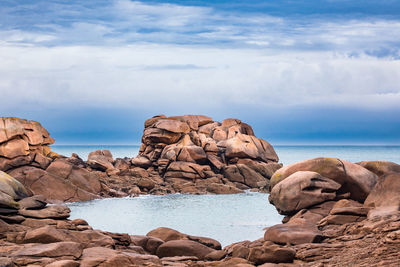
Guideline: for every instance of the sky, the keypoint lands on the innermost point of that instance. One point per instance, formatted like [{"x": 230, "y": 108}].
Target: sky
[{"x": 299, "y": 72}]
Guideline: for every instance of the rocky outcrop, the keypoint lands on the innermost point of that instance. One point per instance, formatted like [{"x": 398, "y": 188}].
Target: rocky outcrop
[
  {"x": 194, "y": 154},
  {"x": 187, "y": 154},
  {"x": 26, "y": 155},
  {"x": 338, "y": 212}
]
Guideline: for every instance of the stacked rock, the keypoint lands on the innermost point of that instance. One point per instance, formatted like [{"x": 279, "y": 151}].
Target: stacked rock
[
  {"x": 26, "y": 155},
  {"x": 194, "y": 148},
  {"x": 23, "y": 142}
]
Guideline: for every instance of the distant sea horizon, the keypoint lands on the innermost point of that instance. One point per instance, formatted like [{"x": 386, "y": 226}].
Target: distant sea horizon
[{"x": 287, "y": 153}]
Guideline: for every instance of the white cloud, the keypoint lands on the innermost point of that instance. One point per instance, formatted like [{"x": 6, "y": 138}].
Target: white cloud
[{"x": 130, "y": 76}]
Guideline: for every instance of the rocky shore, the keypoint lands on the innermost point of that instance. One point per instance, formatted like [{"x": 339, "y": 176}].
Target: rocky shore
[{"x": 338, "y": 213}]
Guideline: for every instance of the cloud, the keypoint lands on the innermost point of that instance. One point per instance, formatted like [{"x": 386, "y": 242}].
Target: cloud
[{"x": 193, "y": 78}]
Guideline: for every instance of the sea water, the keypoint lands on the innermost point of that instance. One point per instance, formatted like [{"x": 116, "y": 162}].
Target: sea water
[
  {"x": 287, "y": 154},
  {"x": 226, "y": 218}
]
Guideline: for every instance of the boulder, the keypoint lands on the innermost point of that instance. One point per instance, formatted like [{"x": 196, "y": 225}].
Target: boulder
[
  {"x": 46, "y": 234},
  {"x": 386, "y": 191},
  {"x": 243, "y": 174},
  {"x": 141, "y": 162},
  {"x": 57, "y": 249},
  {"x": 166, "y": 234},
  {"x": 36, "y": 202},
  {"x": 12, "y": 187},
  {"x": 98, "y": 256},
  {"x": 271, "y": 253},
  {"x": 295, "y": 232},
  {"x": 301, "y": 190},
  {"x": 216, "y": 188},
  {"x": 183, "y": 248},
  {"x": 246, "y": 146},
  {"x": 101, "y": 160},
  {"x": 50, "y": 212},
  {"x": 380, "y": 168},
  {"x": 354, "y": 179},
  {"x": 64, "y": 263}
]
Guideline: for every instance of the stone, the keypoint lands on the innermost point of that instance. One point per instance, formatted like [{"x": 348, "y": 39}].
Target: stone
[
  {"x": 301, "y": 190},
  {"x": 58, "y": 249},
  {"x": 12, "y": 187},
  {"x": 215, "y": 255},
  {"x": 50, "y": 212},
  {"x": 35, "y": 202},
  {"x": 6, "y": 262},
  {"x": 14, "y": 148},
  {"x": 100, "y": 160},
  {"x": 166, "y": 234},
  {"x": 209, "y": 242},
  {"x": 154, "y": 135},
  {"x": 354, "y": 179},
  {"x": 293, "y": 233},
  {"x": 64, "y": 263},
  {"x": 272, "y": 253},
  {"x": 246, "y": 146},
  {"x": 183, "y": 248},
  {"x": 152, "y": 244},
  {"x": 386, "y": 191},
  {"x": 60, "y": 168},
  {"x": 174, "y": 126},
  {"x": 188, "y": 170},
  {"x": 141, "y": 161},
  {"x": 145, "y": 183},
  {"x": 46, "y": 234},
  {"x": 380, "y": 168},
  {"x": 98, "y": 256}
]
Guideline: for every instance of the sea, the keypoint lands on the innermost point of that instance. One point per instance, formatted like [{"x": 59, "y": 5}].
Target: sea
[{"x": 226, "y": 218}]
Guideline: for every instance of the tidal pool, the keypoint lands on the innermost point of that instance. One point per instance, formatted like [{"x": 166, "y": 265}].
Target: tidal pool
[{"x": 226, "y": 218}]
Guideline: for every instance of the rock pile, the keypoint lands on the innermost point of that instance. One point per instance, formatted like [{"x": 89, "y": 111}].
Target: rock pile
[
  {"x": 25, "y": 154},
  {"x": 186, "y": 154},
  {"x": 194, "y": 154}
]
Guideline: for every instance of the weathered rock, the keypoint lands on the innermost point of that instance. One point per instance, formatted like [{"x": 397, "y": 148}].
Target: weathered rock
[
  {"x": 380, "y": 168},
  {"x": 385, "y": 192},
  {"x": 141, "y": 161},
  {"x": 101, "y": 160},
  {"x": 166, "y": 234},
  {"x": 36, "y": 202},
  {"x": 243, "y": 174},
  {"x": 272, "y": 253},
  {"x": 50, "y": 212},
  {"x": 58, "y": 249},
  {"x": 293, "y": 233},
  {"x": 64, "y": 263},
  {"x": 354, "y": 179},
  {"x": 246, "y": 146},
  {"x": 12, "y": 187},
  {"x": 183, "y": 248},
  {"x": 301, "y": 190}
]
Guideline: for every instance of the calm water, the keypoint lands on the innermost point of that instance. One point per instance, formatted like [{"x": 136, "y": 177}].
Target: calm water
[
  {"x": 287, "y": 154},
  {"x": 226, "y": 218}
]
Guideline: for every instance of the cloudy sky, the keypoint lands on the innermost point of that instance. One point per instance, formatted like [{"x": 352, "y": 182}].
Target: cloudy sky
[{"x": 300, "y": 72}]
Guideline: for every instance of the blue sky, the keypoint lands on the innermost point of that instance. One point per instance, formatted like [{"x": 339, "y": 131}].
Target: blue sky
[{"x": 300, "y": 72}]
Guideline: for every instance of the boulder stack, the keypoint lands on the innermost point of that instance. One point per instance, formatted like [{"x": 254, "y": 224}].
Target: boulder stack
[
  {"x": 208, "y": 155},
  {"x": 26, "y": 155}
]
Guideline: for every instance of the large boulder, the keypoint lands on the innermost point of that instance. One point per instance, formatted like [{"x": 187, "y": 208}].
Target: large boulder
[
  {"x": 386, "y": 192},
  {"x": 295, "y": 232},
  {"x": 183, "y": 248},
  {"x": 21, "y": 141},
  {"x": 353, "y": 178},
  {"x": 380, "y": 168},
  {"x": 301, "y": 190}
]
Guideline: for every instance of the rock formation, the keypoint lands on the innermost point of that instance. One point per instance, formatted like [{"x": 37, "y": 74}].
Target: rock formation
[{"x": 186, "y": 154}]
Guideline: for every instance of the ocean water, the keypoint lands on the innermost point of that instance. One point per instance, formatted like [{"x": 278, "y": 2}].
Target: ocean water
[
  {"x": 287, "y": 154},
  {"x": 226, "y": 218}
]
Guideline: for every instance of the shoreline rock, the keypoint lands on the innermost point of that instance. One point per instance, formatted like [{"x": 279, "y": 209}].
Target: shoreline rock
[{"x": 337, "y": 213}]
